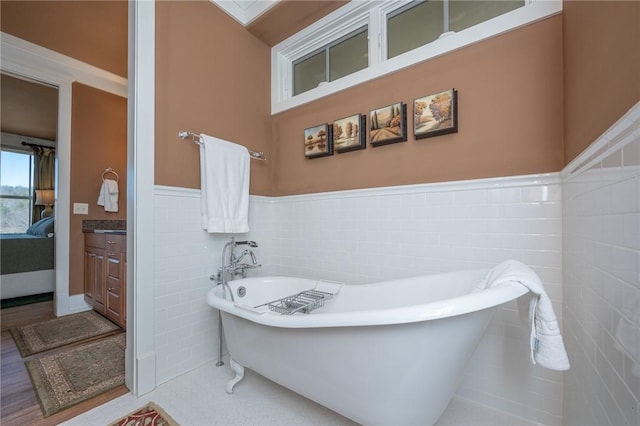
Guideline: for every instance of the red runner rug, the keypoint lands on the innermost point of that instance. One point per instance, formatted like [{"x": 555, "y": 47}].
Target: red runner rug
[{"x": 149, "y": 415}]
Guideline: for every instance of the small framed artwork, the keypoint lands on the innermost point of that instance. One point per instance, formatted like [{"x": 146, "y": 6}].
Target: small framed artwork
[
  {"x": 388, "y": 124},
  {"x": 435, "y": 114},
  {"x": 349, "y": 133},
  {"x": 318, "y": 141}
]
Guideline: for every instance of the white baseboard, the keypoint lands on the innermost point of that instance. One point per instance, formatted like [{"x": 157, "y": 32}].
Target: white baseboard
[{"x": 77, "y": 304}]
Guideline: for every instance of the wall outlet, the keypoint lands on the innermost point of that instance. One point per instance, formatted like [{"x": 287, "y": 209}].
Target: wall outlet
[{"x": 80, "y": 208}]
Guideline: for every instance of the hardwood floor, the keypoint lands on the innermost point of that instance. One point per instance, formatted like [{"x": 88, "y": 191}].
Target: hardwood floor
[{"x": 18, "y": 403}]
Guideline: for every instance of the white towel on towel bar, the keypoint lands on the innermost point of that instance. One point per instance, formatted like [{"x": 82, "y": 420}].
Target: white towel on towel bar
[
  {"x": 224, "y": 186},
  {"x": 547, "y": 347},
  {"x": 109, "y": 195}
]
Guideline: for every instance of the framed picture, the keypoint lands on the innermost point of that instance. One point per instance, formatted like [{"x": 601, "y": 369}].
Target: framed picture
[
  {"x": 349, "y": 133},
  {"x": 388, "y": 124},
  {"x": 435, "y": 114},
  {"x": 318, "y": 141}
]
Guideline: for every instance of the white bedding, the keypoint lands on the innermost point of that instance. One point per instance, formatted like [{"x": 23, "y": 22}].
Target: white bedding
[{"x": 27, "y": 283}]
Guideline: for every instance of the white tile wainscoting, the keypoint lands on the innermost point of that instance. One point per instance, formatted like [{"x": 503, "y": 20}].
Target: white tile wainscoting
[
  {"x": 370, "y": 235},
  {"x": 601, "y": 205}
]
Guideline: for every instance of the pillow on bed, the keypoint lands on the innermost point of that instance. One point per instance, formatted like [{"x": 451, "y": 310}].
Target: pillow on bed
[{"x": 42, "y": 228}]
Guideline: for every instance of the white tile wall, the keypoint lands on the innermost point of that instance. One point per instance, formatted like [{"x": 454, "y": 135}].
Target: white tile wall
[
  {"x": 183, "y": 324},
  {"x": 185, "y": 256},
  {"x": 385, "y": 233},
  {"x": 370, "y": 235},
  {"x": 602, "y": 278}
]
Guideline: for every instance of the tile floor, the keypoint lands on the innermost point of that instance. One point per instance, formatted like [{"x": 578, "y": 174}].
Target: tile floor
[{"x": 198, "y": 398}]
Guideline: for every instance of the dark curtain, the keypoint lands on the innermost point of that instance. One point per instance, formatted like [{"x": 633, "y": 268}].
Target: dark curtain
[{"x": 43, "y": 175}]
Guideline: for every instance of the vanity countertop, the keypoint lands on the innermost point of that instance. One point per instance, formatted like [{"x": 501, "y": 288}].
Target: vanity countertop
[
  {"x": 106, "y": 231},
  {"x": 118, "y": 227}
]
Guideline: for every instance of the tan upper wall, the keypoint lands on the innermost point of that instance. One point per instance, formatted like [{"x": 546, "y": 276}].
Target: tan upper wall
[
  {"x": 98, "y": 141},
  {"x": 510, "y": 119},
  {"x": 602, "y": 68},
  {"x": 212, "y": 76},
  {"x": 94, "y": 32},
  {"x": 600, "y": 45}
]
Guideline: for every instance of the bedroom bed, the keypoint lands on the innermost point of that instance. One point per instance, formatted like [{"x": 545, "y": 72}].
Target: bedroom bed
[{"x": 27, "y": 261}]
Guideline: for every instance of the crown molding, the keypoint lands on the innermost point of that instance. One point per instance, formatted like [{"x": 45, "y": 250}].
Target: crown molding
[{"x": 245, "y": 11}]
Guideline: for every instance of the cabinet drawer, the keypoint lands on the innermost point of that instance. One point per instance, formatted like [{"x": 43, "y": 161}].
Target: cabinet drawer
[
  {"x": 115, "y": 243},
  {"x": 94, "y": 240},
  {"x": 112, "y": 242}
]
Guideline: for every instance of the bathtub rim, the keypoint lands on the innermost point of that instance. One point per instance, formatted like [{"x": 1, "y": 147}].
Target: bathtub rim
[{"x": 459, "y": 305}]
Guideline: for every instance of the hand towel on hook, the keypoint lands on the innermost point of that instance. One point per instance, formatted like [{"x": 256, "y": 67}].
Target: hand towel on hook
[
  {"x": 109, "y": 195},
  {"x": 224, "y": 186}
]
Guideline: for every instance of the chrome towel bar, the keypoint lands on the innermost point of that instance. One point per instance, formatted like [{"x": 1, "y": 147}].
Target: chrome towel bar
[{"x": 194, "y": 137}]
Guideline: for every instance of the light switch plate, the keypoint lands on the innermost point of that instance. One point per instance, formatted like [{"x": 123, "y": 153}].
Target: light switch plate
[{"x": 80, "y": 208}]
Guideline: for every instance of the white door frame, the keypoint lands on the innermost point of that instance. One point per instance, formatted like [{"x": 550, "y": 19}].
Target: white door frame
[
  {"x": 26, "y": 59},
  {"x": 140, "y": 355}
]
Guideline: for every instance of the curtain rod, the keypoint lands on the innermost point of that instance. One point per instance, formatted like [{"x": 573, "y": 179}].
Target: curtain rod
[
  {"x": 35, "y": 145},
  {"x": 183, "y": 134}
]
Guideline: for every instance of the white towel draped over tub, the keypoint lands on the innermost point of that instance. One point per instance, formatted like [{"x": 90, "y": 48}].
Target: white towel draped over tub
[
  {"x": 224, "y": 185},
  {"x": 547, "y": 347}
]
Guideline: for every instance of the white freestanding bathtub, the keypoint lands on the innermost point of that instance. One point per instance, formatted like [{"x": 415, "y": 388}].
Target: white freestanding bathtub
[{"x": 388, "y": 353}]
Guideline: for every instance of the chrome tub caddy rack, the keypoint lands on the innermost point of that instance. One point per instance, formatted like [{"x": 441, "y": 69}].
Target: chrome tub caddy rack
[{"x": 303, "y": 302}]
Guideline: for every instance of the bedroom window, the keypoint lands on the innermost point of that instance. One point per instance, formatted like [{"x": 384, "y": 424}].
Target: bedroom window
[{"x": 16, "y": 189}]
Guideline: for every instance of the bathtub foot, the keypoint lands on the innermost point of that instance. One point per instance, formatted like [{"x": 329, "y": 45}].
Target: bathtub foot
[{"x": 239, "y": 370}]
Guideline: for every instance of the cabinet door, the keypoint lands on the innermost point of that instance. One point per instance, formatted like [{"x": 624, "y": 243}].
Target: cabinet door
[
  {"x": 89, "y": 275},
  {"x": 98, "y": 292},
  {"x": 94, "y": 278},
  {"x": 124, "y": 290},
  {"x": 115, "y": 287}
]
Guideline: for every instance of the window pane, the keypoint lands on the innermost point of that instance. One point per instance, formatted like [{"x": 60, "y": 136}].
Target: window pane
[
  {"x": 15, "y": 173},
  {"x": 349, "y": 56},
  {"x": 14, "y": 215},
  {"x": 464, "y": 14},
  {"x": 15, "y": 180},
  {"x": 414, "y": 27},
  {"x": 309, "y": 72}
]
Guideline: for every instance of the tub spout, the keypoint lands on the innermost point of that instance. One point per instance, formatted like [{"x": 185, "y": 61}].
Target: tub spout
[
  {"x": 245, "y": 253},
  {"x": 246, "y": 243}
]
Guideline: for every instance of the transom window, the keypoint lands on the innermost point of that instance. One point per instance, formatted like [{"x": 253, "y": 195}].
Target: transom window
[
  {"x": 422, "y": 22},
  {"x": 413, "y": 26},
  {"x": 364, "y": 40},
  {"x": 338, "y": 59}
]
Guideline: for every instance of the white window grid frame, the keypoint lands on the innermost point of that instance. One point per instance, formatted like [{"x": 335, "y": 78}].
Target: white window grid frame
[
  {"x": 373, "y": 14},
  {"x": 327, "y": 51}
]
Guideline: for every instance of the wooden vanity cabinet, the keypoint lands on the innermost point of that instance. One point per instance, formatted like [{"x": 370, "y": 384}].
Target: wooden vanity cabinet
[
  {"x": 93, "y": 273},
  {"x": 105, "y": 275}
]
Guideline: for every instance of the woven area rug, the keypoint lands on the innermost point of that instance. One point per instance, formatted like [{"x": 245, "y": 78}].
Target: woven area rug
[
  {"x": 73, "y": 375},
  {"x": 46, "y": 335},
  {"x": 149, "y": 415}
]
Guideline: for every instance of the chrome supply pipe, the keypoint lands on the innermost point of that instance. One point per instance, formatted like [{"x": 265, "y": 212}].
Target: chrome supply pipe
[
  {"x": 234, "y": 268},
  {"x": 223, "y": 282}
]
